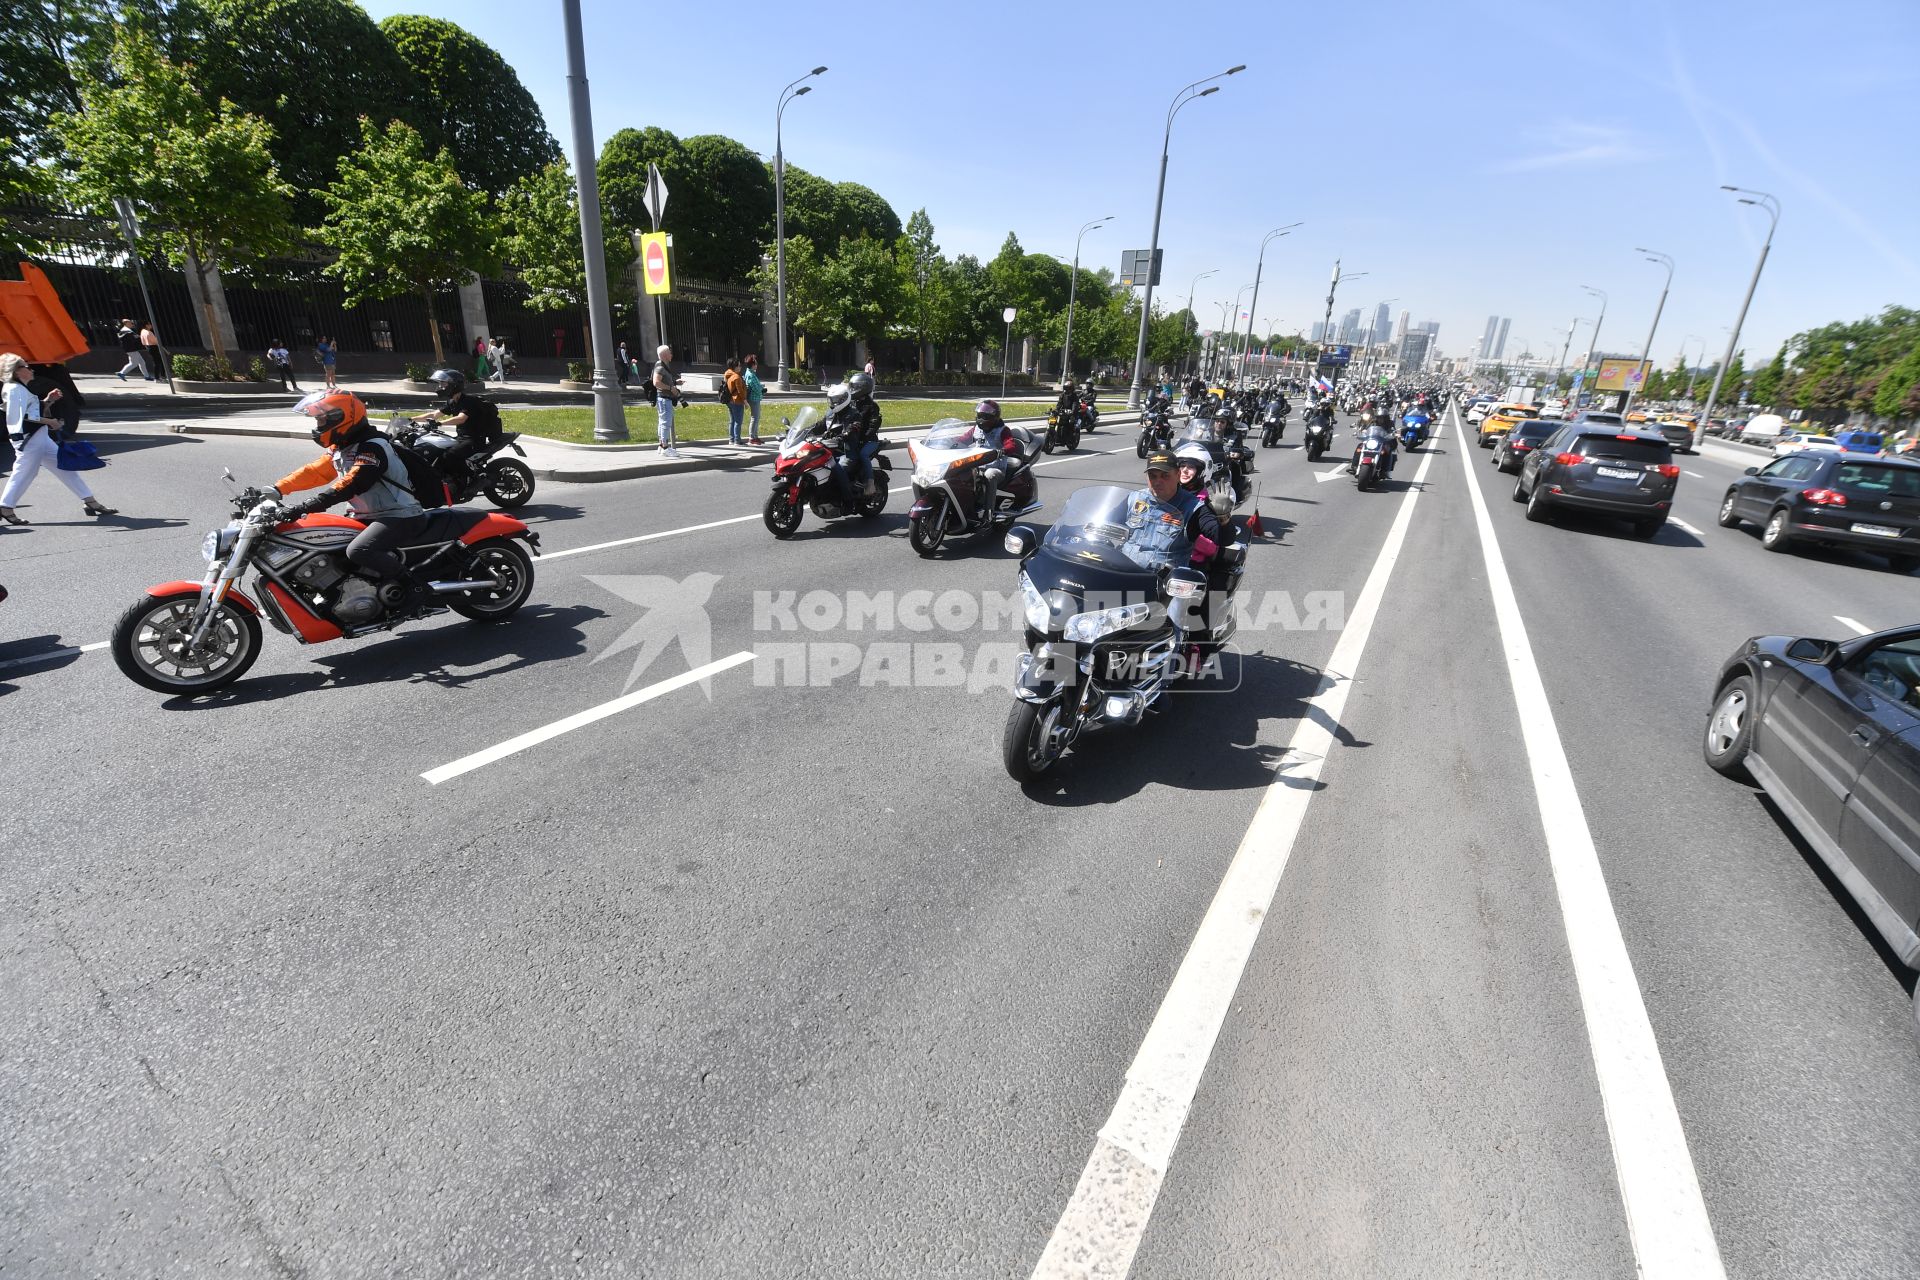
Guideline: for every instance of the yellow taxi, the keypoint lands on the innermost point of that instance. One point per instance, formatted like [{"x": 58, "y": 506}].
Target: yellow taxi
[
  {"x": 1501, "y": 420},
  {"x": 1637, "y": 415}
]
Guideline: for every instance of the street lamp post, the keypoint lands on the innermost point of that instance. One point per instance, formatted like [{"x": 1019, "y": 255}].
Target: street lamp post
[
  {"x": 1196, "y": 320},
  {"x": 609, "y": 418},
  {"x": 1659, "y": 259},
  {"x": 1692, "y": 375},
  {"x": 1073, "y": 290},
  {"x": 1327, "y": 335},
  {"x": 787, "y": 95},
  {"x": 1772, "y": 206},
  {"x": 1594, "y": 349},
  {"x": 1258, "y": 267},
  {"x": 1005, "y": 350},
  {"x": 1180, "y": 100},
  {"x": 1564, "y": 348}
]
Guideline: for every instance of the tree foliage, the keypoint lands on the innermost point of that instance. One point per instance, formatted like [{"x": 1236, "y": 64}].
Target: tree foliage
[
  {"x": 202, "y": 176},
  {"x": 402, "y": 221},
  {"x": 540, "y": 236},
  {"x": 469, "y": 100}
]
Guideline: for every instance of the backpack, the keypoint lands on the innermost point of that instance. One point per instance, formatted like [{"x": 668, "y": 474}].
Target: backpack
[
  {"x": 653, "y": 392},
  {"x": 721, "y": 393},
  {"x": 423, "y": 478}
]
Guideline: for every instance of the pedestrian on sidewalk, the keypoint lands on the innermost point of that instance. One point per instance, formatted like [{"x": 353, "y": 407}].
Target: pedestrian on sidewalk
[
  {"x": 625, "y": 370},
  {"x": 150, "y": 352},
  {"x": 326, "y": 350},
  {"x": 130, "y": 348},
  {"x": 33, "y": 432},
  {"x": 282, "y": 361},
  {"x": 751, "y": 376},
  {"x": 497, "y": 357},
  {"x": 666, "y": 383},
  {"x": 480, "y": 359},
  {"x": 736, "y": 388}
]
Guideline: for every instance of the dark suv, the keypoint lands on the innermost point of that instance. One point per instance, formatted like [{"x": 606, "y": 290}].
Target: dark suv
[
  {"x": 1522, "y": 440},
  {"x": 1861, "y": 501},
  {"x": 1591, "y": 466}
]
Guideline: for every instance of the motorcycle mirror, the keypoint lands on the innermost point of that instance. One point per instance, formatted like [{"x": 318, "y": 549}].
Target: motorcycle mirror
[
  {"x": 1021, "y": 541},
  {"x": 226, "y": 473}
]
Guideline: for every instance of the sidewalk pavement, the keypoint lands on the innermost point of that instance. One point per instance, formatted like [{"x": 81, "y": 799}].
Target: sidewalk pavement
[{"x": 596, "y": 463}]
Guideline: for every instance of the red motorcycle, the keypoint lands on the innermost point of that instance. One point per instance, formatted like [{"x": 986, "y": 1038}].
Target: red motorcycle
[
  {"x": 192, "y": 637},
  {"x": 805, "y": 478}
]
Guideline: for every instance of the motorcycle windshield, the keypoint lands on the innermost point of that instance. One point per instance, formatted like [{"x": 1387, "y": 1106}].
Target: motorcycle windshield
[
  {"x": 802, "y": 426},
  {"x": 949, "y": 435},
  {"x": 1196, "y": 431},
  {"x": 1094, "y": 529}
]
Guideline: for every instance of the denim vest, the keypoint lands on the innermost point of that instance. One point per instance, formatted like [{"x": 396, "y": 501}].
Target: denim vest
[{"x": 1157, "y": 531}]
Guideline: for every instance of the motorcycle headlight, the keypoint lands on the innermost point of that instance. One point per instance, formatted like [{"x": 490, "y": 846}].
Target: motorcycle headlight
[
  {"x": 218, "y": 542},
  {"x": 1085, "y": 628},
  {"x": 1036, "y": 604}
]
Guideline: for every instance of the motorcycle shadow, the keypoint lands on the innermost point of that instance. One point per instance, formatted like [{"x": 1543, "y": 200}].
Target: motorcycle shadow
[
  {"x": 453, "y": 657},
  {"x": 547, "y": 512},
  {"x": 888, "y": 524},
  {"x": 1202, "y": 738}
]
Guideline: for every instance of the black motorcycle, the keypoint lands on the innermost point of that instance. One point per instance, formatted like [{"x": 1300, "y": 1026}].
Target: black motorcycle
[
  {"x": 1372, "y": 450},
  {"x": 1273, "y": 423},
  {"x": 1319, "y": 431},
  {"x": 1092, "y": 663},
  {"x": 507, "y": 482},
  {"x": 1156, "y": 429},
  {"x": 1063, "y": 430}
]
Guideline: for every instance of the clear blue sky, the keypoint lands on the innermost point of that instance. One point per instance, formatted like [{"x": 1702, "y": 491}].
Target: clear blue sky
[{"x": 1483, "y": 156}]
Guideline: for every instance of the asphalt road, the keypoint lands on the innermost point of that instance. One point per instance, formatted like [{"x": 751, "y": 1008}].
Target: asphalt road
[{"x": 776, "y": 978}]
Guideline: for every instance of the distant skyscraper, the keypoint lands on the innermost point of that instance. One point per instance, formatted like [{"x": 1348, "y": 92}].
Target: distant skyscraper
[
  {"x": 1487, "y": 336},
  {"x": 1319, "y": 333},
  {"x": 1413, "y": 348},
  {"x": 1382, "y": 325},
  {"x": 1350, "y": 326},
  {"x": 1400, "y": 327},
  {"x": 1429, "y": 327},
  {"x": 1500, "y": 338}
]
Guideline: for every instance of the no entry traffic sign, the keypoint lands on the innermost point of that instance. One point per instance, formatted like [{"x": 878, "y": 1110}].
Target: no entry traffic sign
[{"x": 653, "y": 262}]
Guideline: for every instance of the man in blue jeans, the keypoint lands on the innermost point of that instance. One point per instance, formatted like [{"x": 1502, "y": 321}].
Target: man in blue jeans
[{"x": 666, "y": 383}]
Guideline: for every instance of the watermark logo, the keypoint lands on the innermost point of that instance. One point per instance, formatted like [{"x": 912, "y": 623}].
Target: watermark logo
[{"x": 675, "y": 612}]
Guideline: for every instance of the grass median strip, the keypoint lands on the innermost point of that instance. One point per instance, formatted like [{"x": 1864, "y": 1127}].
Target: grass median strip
[{"x": 708, "y": 420}]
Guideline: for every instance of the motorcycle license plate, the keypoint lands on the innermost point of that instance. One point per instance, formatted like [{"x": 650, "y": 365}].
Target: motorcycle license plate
[
  {"x": 1617, "y": 473},
  {"x": 1877, "y": 530}
]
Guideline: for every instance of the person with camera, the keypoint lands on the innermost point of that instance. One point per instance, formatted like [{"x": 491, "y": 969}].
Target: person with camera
[{"x": 666, "y": 384}]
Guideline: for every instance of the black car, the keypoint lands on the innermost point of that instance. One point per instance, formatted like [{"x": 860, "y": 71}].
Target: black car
[
  {"x": 1861, "y": 501},
  {"x": 1831, "y": 731},
  {"x": 1599, "y": 467},
  {"x": 1526, "y": 435},
  {"x": 1678, "y": 434}
]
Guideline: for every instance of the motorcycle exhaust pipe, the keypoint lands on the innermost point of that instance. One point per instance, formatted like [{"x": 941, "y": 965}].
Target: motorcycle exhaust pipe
[{"x": 455, "y": 588}]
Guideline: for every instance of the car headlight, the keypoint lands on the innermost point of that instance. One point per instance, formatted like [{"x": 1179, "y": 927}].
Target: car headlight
[
  {"x": 1085, "y": 628},
  {"x": 218, "y": 542},
  {"x": 1036, "y": 604}
]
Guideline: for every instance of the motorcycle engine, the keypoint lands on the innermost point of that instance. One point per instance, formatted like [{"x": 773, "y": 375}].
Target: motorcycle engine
[
  {"x": 321, "y": 572},
  {"x": 358, "y": 601}
]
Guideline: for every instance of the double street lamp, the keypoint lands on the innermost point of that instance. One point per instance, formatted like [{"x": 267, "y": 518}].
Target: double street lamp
[
  {"x": 1762, "y": 200},
  {"x": 1259, "y": 266},
  {"x": 798, "y": 88},
  {"x": 1073, "y": 290},
  {"x": 1662, "y": 260},
  {"x": 1196, "y": 319},
  {"x": 1180, "y": 100}
]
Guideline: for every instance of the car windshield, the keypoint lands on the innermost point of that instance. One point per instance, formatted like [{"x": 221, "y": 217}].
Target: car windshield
[
  {"x": 1624, "y": 449},
  {"x": 1533, "y": 430},
  {"x": 1877, "y": 479},
  {"x": 1094, "y": 527}
]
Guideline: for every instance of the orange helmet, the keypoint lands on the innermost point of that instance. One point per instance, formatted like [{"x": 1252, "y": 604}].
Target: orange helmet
[{"x": 337, "y": 417}]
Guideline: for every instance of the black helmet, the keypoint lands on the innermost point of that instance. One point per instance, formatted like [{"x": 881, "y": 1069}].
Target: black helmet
[
  {"x": 861, "y": 385},
  {"x": 450, "y": 381}
]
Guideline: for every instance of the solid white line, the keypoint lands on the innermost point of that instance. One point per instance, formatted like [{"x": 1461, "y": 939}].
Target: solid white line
[
  {"x": 1859, "y": 629},
  {"x": 646, "y": 537},
  {"x": 69, "y": 651},
  {"x": 467, "y": 764},
  {"x": 1666, "y": 1215},
  {"x": 1677, "y": 522},
  {"x": 1696, "y": 475},
  {"x": 1104, "y": 1221}
]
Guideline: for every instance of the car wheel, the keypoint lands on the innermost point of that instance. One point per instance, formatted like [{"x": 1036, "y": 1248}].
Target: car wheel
[
  {"x": 1538, "y": 509},
  {"x": 1519, "y": 490},
  {"x": 1728, "y": 520},
  {"x": 1730, "y": 728},
  {"x": 1775, "y": 536}
]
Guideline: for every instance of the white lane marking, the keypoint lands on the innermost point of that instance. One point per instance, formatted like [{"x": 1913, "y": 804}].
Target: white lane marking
[
  {"x": 467, "y": 764},
  {"x": 1076, "y": 457},
  {"x": 1696, "y": 475},
  {"x": 1321, "y": 477},
  {"x": 52, "y": 655},
  {"x": 646, "y": 537},
  {"x": 1858, "y": 628},
  {"x": 1678, "y": 523},
  {"x": 1103, "y": 1223},
  {"x": 1666, "y": 1215}
]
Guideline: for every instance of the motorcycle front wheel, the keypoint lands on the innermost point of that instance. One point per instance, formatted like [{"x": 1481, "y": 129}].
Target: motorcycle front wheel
[
  {"x": 926, "y": 533},
  {"x": 1141, "y": 448},
  {"x": 782, "y": 517},
  {"x": 510, "y": 567},
  {"x": 1032, "y": 743},
  {"x": 150, "y": 645},
  {"x": 1365, "y": 474},
  {"x": 508, "y": 483}
]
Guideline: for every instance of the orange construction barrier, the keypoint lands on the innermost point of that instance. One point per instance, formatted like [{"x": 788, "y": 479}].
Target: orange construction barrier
[{"x": 32, "y": 321}]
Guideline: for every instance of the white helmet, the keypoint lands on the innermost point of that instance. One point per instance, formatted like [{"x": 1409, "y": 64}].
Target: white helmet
[{"x": 838, "y": 395}]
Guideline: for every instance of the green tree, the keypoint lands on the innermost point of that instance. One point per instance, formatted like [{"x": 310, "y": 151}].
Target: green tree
[
  {"x": 924, "y": 284},
  {"x": 202, "y": 176},
  {"x": 719, "y": 199},
  {"x": 470, "y": 101},
  {"x": 539, "y": 236},
  {"x": 863, "y": 211},
  {"x": 1897, "y": 390},
  {"x": 403, "y": 222},
  {"x": 808, "y": 310},
  {"x": 48, "y": 49},
  {"x": 813, "y": 208},
  {"x": 310, "y": 69},
  {"x": 1767, "y": 383},
  {"x": 860, "y": 290},
  {"x": 622, "y": 169}
]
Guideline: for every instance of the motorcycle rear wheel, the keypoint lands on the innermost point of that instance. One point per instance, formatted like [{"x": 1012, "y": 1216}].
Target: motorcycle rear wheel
[
  {"x": 149, "y": 650},
  {"x": 871, "y": 507},
  {"x": 509, "y": 565},
  {"x": 508, "y": 483},
  {"x": 1071, "y": 439},
  {"x": 782, "y": 517},
  {"x": 1031, "y": 744}
]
